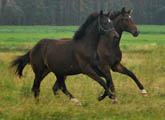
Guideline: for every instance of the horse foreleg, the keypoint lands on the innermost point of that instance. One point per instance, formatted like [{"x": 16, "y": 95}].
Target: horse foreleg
[
  {"x": 121, "y": 69},
  {"x": 92, "y": 74},
  {"x": 109, "y": 83},
  {"x": 104, "y": 72},
  {"x": 60, "y": 84}
]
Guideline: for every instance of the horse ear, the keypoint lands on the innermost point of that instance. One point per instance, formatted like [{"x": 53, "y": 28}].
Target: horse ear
[
  {"x": 101, "y": 12},
  {"x": 123, "y": 10},
  {"x": 130, "y": 11},
  {"x": 109, "y": 13}
]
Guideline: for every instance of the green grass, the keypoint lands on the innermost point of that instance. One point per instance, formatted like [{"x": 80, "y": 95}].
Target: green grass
[
  {"x": 143, "y": 55},
  {"x": 13, "y": 38}
]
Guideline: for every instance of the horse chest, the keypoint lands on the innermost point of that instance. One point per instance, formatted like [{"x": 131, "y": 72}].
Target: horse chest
[
  {"x": 112, "y": 57},
  {"x": 116, "y": 58}
]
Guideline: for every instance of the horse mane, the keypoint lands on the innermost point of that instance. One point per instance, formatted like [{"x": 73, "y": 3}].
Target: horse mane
[
  {"x": 115, "y": 14},
  {"x": 81, "y": 31}
]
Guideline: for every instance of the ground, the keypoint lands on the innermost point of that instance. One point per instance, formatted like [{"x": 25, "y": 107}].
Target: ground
[{"x": 144, "y": 55}]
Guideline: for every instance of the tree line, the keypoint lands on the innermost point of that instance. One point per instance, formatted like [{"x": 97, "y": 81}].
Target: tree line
[{"x": 73, "y": 12}]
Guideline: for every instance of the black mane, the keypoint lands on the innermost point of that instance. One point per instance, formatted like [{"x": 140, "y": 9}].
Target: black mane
[
  {"x": 115, "y": 14},
  {"x": 81, "y": 31}
]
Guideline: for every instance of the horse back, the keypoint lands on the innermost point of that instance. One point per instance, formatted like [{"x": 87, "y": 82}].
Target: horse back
[{"x": 57, "y": 55}]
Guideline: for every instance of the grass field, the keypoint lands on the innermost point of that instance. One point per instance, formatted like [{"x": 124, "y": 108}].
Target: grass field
[{"x": 144, "y": 55}]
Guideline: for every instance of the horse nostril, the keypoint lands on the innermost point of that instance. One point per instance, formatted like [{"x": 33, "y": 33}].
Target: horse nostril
[{"x": 136, "y": 33}]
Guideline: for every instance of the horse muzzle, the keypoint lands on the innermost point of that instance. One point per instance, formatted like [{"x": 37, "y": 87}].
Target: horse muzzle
[{"x": 135, "y": 33}]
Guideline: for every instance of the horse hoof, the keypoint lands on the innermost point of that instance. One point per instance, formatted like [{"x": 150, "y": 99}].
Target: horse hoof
[
  {"x": 56, "y": 94},
  {"x": 76, "y": 101},
  {"x": 37, "y": 100},
  {"x": 100, "y": 98},
  {"x": 144, "y": 93},
  {"x": 114, "y": 101}
]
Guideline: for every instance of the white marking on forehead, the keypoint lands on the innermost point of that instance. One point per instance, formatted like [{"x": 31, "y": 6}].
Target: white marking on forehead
[
  {"x": 109, "y": 20},
  {"x": 129, "y": 16}
]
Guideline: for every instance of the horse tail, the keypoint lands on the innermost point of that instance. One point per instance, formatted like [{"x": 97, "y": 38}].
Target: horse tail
[{"x": 20, "y": 62}]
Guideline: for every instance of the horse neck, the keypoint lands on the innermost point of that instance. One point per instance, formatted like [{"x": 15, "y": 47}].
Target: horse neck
[
  {"x": 118, "y": 29},
  {"x": 91, "y": 39}
]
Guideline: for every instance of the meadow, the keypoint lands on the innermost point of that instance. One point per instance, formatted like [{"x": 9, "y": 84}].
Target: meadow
[{"x": 144, "y": 55}]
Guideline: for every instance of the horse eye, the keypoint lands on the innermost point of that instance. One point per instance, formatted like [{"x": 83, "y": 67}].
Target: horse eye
[{"x": 109, "y": 20}]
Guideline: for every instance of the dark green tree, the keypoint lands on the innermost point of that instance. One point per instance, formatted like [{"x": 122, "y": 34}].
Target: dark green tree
[{"x": 11, "y": 14}]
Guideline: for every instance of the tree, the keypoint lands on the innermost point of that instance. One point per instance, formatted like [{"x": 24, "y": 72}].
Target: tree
[
  {"x": 74, "y": 12},
  {"x": 11, "y": 14}
]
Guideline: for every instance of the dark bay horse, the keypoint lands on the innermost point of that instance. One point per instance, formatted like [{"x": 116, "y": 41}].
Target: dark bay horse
[
  {"x": 69, "y": 57},
  {"x": 110, "y": 53},
  {"x": 109, "y": 50}
]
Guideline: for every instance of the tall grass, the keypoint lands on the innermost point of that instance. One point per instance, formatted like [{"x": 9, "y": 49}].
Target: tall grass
[{"x": 143, "y": 55}]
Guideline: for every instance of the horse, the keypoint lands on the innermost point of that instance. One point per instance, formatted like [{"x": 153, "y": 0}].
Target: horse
[
  {"x": 69, "y": 57},
  {"x": 110, "y": 53}
]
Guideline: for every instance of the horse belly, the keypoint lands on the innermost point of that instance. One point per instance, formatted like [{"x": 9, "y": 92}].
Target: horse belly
[
  {"x": 67, "y": 67},
  {"x": 60, "y": 59},
  {"x": 71, "y": 70},
  {"x": 68, "y": 70}
]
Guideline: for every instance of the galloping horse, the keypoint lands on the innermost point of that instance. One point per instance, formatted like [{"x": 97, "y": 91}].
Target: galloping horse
[
  {"x": 110, "y": 54},
  {"x": 69, "y": 57}
]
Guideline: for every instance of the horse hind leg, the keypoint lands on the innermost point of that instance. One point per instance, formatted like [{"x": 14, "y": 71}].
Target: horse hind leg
[
  {"x": 60, "y": 84},
  {"x": 36, "y": 86},
  {"x": 39, "y": 76},
  {"x": 56, "y": 88},
  {"x": 39, "y": 68}
]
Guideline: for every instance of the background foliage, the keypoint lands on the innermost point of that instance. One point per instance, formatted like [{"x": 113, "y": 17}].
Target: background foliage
[{"x": 73, "y": 12}]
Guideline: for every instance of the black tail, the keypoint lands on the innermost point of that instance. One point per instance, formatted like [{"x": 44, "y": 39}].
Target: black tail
[{"x": 20, "y": 62}]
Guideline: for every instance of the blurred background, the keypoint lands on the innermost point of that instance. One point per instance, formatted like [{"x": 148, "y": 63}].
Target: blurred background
[{"x": 73, "y": 12}]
